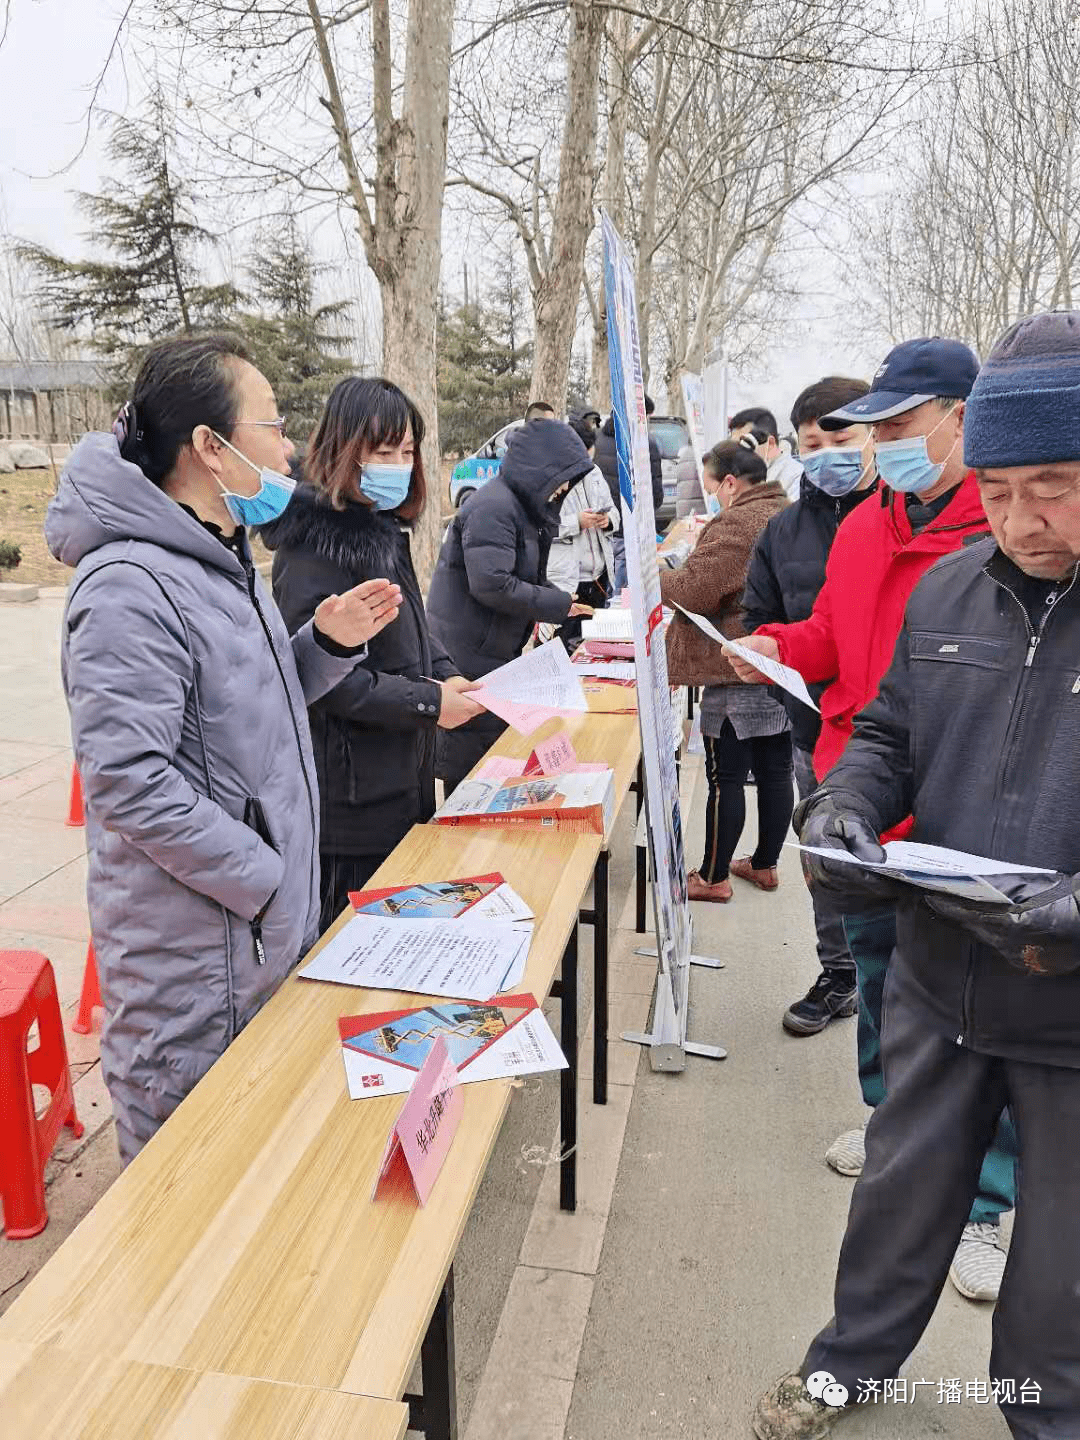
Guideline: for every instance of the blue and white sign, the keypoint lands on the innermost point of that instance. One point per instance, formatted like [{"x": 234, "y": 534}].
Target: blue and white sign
[{"x": 671, "y": 906}]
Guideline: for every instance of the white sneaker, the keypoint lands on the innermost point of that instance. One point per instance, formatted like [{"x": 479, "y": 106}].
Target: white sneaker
[
  {"x": 979, "y": 1262},
  {"x": 847, "y": 1153}
]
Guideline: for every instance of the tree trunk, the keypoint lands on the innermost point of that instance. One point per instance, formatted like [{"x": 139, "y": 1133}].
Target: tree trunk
[
  {"x": 410, "y": 295},
  {"x": 560, "y": 288}
]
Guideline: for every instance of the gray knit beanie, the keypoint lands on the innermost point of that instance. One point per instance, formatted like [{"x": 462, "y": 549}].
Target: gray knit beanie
[{"x": 1024, "y": 408}]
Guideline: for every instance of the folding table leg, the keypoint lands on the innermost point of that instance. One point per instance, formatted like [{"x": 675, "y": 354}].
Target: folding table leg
[
  {"x": 568, "y": 998},
  {"x": 600, "y": 978},
  {"x": 435, "y": 1412},
  {"x": 641, "y": 889}
]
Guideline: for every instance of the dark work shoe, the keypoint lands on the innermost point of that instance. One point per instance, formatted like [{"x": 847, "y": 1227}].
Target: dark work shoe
[{"x": 829, "y": 998}]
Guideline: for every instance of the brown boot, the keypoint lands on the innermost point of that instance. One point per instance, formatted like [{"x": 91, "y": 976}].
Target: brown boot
[
  {"x": 699, "y": 889},
  {"x": 787, "y": 1411},
  {"x": 766, "y": 879}
]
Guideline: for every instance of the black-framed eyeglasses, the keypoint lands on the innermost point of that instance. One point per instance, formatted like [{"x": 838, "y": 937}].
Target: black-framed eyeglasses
[{"x": 278, "y": 424}]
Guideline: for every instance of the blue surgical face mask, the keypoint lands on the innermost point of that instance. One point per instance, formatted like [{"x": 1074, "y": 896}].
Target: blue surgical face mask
[
  {"x": 269, "y": 501},
  {"x": 906, "y": 466},
  {"x": 834, "y": 471},
  {"x": 386, "y": 486},
  {"x": 712, "y": 504}
]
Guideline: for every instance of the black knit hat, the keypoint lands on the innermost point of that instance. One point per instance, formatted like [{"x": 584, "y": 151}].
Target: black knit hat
[{"x": 1024, "y": 408}]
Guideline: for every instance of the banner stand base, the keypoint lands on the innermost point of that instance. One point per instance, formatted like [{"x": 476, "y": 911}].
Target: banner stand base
[
  {"x": 705, "y": 960},
  {"x": 672, "y": 1057}
]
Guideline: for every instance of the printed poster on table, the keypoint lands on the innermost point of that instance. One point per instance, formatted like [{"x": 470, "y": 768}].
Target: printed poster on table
[
  {"x": 671, "y": 907},
  {"x": 489, "y": 1041},
  {"x": 479, "y": 897}
]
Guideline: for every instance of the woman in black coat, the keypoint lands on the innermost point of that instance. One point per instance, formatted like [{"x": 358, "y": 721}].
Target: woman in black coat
[
  {"x": 489, "y": 588},
  {"x": 373, "y": 734}
]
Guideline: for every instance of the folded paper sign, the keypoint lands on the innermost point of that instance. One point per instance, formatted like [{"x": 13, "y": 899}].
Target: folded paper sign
[{"x": 426, "y": 1125}]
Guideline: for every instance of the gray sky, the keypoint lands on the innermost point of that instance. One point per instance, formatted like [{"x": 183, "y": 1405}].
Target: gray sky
[
  {"x": 52, "y": 56},
  {"x": 48, "y": 63}
]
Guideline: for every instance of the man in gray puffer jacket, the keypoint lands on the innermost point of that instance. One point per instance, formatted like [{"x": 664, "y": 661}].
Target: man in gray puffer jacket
[{"x": 188, "y": 712}]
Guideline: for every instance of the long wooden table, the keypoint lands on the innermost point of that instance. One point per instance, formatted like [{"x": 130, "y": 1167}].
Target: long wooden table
[
  {"x": 241, "y": 1249},
  {"x": 242, "y": 1239},
  {"x": 47, "y": 1393}
]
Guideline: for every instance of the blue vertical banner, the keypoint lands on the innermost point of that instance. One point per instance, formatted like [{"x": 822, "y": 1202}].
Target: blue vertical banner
[{"x": 670, "y": 905}]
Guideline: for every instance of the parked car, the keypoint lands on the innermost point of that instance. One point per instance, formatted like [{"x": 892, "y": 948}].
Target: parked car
[
  {"x": 670, "y": 433},
  {"x": 482, "y": 465}
]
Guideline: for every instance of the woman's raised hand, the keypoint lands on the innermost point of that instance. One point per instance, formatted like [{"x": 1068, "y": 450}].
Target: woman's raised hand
[{"x": 353, "y": 618}]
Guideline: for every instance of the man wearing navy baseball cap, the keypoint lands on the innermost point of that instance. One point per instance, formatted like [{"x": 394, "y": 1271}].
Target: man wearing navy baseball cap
[
  {"x": 975, "y": 732},
  {"x": 911, "y": 375},
  {"x": 929, "y": 506}
]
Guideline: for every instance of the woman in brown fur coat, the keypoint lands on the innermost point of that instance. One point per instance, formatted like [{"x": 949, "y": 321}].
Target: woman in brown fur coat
[{"x": 743, "y": 726}]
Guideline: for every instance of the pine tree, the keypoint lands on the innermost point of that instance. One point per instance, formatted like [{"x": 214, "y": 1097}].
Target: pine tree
[
  {"x": 483, "y": 373},
  {"x": 299, "y": 346},
  {"x": 149, "y": 285}
]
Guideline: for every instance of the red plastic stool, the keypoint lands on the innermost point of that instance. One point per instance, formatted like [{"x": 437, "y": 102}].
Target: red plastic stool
[
  {"x": 28, "y": 994},
  {"x": 76, "y": 809},
  {"x": 91, "y": 995}
]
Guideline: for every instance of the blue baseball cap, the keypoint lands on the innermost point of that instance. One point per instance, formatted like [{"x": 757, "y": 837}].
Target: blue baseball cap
[{"x": 912, "y": 373}]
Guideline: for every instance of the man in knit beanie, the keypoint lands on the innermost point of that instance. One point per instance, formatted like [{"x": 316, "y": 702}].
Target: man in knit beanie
[{"x": 975, "y": 731}]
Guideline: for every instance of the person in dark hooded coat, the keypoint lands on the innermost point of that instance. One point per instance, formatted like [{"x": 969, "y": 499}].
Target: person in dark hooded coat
[
  {"x": 489, "y": 588},
  {"x": 374, "y": 733}
]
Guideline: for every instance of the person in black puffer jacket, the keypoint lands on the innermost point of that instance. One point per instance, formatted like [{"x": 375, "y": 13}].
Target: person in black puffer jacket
[
  {"x": 489, "y": 587},
  {"x": 787, "y": 570},
  {"x": 374, "y": 733}
]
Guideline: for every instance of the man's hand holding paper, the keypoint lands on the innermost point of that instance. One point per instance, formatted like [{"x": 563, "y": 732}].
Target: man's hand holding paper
[{"x": 828, "y": 822}]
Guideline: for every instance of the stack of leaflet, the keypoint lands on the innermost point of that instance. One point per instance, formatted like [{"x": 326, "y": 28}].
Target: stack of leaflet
[
  {"x": 608, "y": 634},
  {"x": 466, "y": 939},
  {"x": 454, "y": 938},
  {"x": 576, "y": 802},
  {"x": 383, "y": 1053},
  {"x": 610, "y": 672},
  {"x": 553, "y": 789}
]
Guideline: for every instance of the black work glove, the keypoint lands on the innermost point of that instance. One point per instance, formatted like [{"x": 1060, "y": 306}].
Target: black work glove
[
  {"x": 1038, "y": 932},
  {"x": 835, "y": 822}
]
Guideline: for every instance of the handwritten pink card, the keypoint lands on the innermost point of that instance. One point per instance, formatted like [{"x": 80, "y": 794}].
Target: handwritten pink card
[
  {"x": 426, "y": 1124},
  {"x": 552, "y": 756}
]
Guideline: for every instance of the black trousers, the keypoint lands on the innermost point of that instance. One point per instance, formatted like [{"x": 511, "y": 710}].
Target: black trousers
[
  {"x": 727, "y": 760},
  {"x": 925, "y": 1145},
  {"x": 340, "y": 874}
]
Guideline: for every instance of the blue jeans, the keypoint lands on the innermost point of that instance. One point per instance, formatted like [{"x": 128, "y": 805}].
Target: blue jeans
[
  {"x": 871, "y": 939},
  {"x": 618, "y": 560}
]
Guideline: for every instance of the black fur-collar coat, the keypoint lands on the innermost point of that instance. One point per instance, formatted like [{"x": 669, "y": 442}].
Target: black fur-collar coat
[{"x": 374, "y": 735}]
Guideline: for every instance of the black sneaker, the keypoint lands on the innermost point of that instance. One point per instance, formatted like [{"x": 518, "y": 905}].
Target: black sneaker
[{"x": 829, "y": 998}]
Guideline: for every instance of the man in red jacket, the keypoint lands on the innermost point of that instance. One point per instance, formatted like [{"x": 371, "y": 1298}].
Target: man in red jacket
[{"x": 929, "y": 506}]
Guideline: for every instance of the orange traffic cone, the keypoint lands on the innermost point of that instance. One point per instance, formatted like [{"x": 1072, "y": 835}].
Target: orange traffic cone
[
  {"x": 76, "y": 812},
  {"x": 91, "y": 995}
]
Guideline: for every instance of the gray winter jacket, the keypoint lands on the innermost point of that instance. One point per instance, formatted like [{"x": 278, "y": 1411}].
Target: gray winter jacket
[{"x": 189, "y": 720}]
